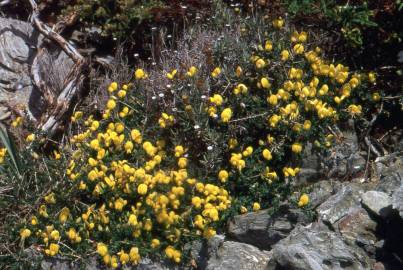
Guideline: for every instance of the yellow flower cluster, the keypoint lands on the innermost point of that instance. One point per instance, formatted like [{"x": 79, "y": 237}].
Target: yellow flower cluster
[
  {"x": 153, "y": 188},
  {"x": 166, "y": 120},
  {"x": 144, "y": 195}
]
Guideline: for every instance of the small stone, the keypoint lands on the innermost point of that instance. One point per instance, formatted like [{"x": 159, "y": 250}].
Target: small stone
[
  {"x": 340, "y": 204},
  {"x": 238, "y": 256},
  {"x": 397, "y": 200},
  {"x": 377, "y": 202}
]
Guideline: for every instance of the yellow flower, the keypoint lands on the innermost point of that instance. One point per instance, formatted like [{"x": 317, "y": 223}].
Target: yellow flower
[
  {"x": 273, "y": 120},
  {"x": 209, "y": 232},
  {"x": 267, "y": 154},
  {"x": 303, "y": 36},
  {"x": 25, "y": 233},
  {"x": 272, "y": 99},
  {"x": 42, "y": 211},
  {"x": 248, "y": 151},
  {"x": 172, "y": 74},
  {"x": 354, "y": 109},
  {"x": 226, "y": 115},
  {"x": 123, "y": 257},
  {"x": 268, "y": 46},
  {"x": 238, "y": 71},
  {"x": 372, "y": 77},
  {"x": 140, "y": 74},
  {"x": 216, "y": 72},
  {"x": 232, "y": 143},
  {"x": 256, "y": 206},
  {"x": 55, "y": 235},
  {"x": 17, "y": 122},
  {"x": 241, "y": 88},
  {"x": 285, "y": 55},
  {"x": 121, "y": 93},
  {"x": 113, "y": 87},
  {"x": 102, "y": 249},
  {"x": 376, "y": 96},
  {"x": 129, "y": 147},
  {"x": 179, "y": 151},
  {"x": 134, "y": 255},
  {"x": 307, "y": 125},
  {"x": 155, "y": 243},
  {"x": 303, "y": 200},
  {"x": 142, "y": 189},
  {"x": 265, "y": 83},
  {"x": 216, "y": 99},
  {"x": 196, "y": 201},
  {"x": 223, "y": 176},
  {"x": 173, "y": 254},
  {"x": 260, "y": 63},
  {"x": 296, "y": 148},
  {"x": 50, "y": 198},
  {"x": 34, "y": 220},
  {"x": 243, "y": 210},
  {"x": 111, "y": 104},
  {"x": 278, "y": 23},
  {"x": 64, "y": 215},
  {"x": 30, "y": 137},
  {"x": 53, "y": 249},
  {"x": 119, "y": 204},
  {"x": 132, "y": 220},
  {"x": 182, "y": 162},
  {"x": 192, "y": 71},
  {"x": 298, "y": 48},
  {"x": 94, "y": 144},
  {"x": 136, "y": 136}
]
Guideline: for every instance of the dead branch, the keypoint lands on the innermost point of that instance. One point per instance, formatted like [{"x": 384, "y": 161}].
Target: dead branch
[{"x": 59, "y": 105}]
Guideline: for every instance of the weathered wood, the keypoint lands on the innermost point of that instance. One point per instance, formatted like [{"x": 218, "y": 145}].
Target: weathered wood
[{"x": 59, "y": 105}]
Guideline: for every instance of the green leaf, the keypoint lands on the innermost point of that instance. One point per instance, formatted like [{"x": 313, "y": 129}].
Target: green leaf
[{"x": 11, "y": 149}]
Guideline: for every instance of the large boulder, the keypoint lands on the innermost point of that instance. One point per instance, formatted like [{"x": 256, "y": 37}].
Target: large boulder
[
  {"x": 315, "y": 248},
  {"x": 341, "y": 203},
  {"x": 263, "y": 230}
]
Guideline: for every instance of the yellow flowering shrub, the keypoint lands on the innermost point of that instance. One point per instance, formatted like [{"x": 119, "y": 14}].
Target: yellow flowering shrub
[{"x": 177, "y": 150}]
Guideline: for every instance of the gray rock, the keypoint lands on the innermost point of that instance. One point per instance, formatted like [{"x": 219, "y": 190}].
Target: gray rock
[
  {"x": 377, "y": 202},
  {"x": 357, "y": 228},
  {"x": 316, "y": 247},
  {"x": 321, "y": 191},
  {"x": 238, "y": 256},
  {"x": 263, "y": 231},
  {"x": 340, "y": 204},
  {"x": 344, "y": 159},
  {"x": 389, "y": 172},
  {"x": 397, "y": 200},
  {"x": 311, "y": 168}
]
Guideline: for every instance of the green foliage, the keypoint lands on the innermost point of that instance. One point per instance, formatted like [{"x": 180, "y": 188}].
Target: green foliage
[
  {"x": 9, "y": 144},
  {"x": 116, "y": 18},
  {"x": 351, "y": 19}
]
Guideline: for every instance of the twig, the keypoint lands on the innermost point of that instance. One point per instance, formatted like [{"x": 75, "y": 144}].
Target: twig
[
  {"x": 371, "y": 147},
  {"x": 395, "y": 97},
  {"x": 248, "y": 117}
]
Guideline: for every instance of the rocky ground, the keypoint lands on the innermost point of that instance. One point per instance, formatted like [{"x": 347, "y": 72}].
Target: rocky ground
[{"x": 354, "y": 224}]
